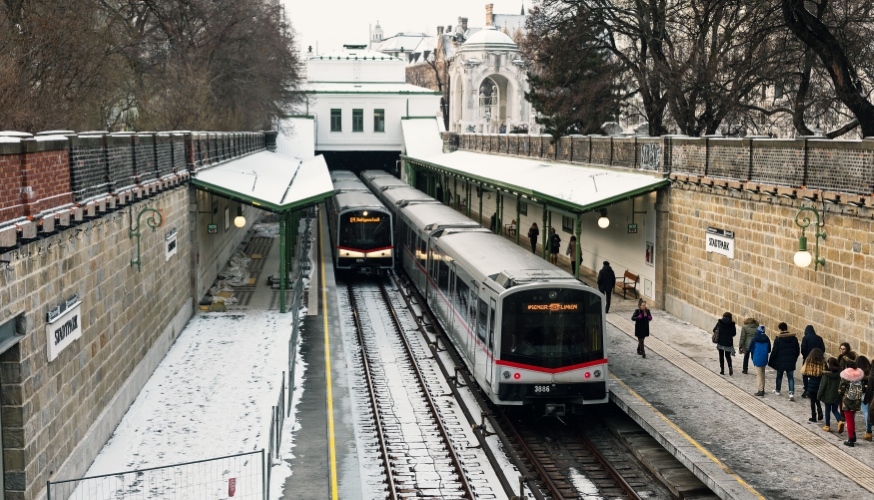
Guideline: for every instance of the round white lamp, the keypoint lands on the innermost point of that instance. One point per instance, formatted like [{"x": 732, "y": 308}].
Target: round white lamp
[
  {"x": 802, "y": 256},
  {"x": 603, "y": 222},
  {"x": 239, "y": 220}
]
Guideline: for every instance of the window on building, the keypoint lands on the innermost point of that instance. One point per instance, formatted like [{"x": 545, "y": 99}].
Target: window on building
[
  {"x": 336, "y": 120},
  {"x": 523, "y": 208},
  {"x": 567, "y": 224},
  {"x": 358, "y": 120},
  {"x": 379, "y": 120}
]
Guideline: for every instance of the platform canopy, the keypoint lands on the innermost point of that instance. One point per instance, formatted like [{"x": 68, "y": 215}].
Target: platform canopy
[
  {"x": 566, "y": 187},
  {"x": 270, "y": 181}
]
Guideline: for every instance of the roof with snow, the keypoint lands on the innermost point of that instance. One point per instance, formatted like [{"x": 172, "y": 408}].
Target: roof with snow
[
  {"x": 365, "y": 88},
  {"x": 270, "y": 181},
  {"x": 489, "y": 38},
  {"x": 572, "y": 188}
]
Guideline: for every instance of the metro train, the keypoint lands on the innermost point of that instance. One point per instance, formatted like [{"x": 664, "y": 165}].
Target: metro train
[
  {"x": 530, "y": 333},
  {"x": 360, "y": 226}
]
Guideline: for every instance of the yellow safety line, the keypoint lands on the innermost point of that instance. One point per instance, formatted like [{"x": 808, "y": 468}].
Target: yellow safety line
[
  {"x": 688, "y": 438},
  {"x": 333, "y": 450}
]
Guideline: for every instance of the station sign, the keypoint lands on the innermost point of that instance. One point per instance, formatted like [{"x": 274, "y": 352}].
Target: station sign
[
  {"x": 170, "y": 244},
  {"x": 632, "y": 229},
  {"x": 211, "y": 228},
  {"x": 63, "y": 326},
  {"x": 720, "y": 241}
]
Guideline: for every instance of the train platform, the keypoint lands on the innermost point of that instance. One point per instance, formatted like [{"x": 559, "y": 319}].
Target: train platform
[{"x": 739, "y": 445}]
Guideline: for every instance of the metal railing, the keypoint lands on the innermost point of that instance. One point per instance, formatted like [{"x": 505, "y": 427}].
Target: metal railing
[{"x": 241, "y": 476}]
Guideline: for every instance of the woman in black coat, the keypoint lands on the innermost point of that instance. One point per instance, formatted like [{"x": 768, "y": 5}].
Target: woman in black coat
[
  {"x": 641, "y": 318},
  {"x": 725, "y": 345}
]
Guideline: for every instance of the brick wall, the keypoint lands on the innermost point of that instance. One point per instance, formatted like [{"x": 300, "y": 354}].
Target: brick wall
[
  {"x": 762, "y": 280},
  {"x": 11, "y": 206},
  {"x": 48, "y": 407},
  {"x": 45, "y": 169}
]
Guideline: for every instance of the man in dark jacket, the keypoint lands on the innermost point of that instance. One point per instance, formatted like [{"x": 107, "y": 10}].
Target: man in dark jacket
[
  {"x": 809, "y": 342},
  {"x": 784, "y": 356},
  {"x": 606, "y": 282}
]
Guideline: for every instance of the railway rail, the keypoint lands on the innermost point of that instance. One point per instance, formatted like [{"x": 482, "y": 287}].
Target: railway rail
[{"x": 434, "y": 469}]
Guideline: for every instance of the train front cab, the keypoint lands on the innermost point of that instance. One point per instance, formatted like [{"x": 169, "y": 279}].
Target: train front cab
[
  {"x": 364, "y": 240},
  {"x": 551, "y": 347}
]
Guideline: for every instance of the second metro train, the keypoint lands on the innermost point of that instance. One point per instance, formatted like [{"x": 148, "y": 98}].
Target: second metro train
[
  {"x": 529, "y": 332},
  {"x": 361, "y": 228}
]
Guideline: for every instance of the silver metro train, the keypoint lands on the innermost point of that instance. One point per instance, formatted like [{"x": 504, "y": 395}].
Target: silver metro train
[
  {"x": 361, "y": 227},
  {"x": 529, "y": 332}
]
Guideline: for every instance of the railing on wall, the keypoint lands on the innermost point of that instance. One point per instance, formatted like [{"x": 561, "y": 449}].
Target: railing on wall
[{"x": 809, "y": 162}]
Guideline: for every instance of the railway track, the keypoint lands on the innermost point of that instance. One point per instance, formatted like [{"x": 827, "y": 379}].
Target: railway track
[{"x": 417, "y": 452}]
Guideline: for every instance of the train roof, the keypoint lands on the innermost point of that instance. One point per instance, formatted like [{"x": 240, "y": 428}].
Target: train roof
[
  {"x": 372, "y": 174},
  {"x": 350, "y": 200},
  {"x": 342, "y": 174},
  {"x": 382, "y": 183},
  {"x": 349, "y": 185},
  {"x": 430, "y": 215},
  {"x": 400, "y": 194},
  {"x": 487, "y": 255}
]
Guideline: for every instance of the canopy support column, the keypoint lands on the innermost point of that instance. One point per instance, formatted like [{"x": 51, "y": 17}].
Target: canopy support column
[
  {"x": 467, "y": 194},
  {"x": 479, "y": 214},
  {"x": 518, "y": 214},
  {"x": 544, "y": 230},
  {"x": 578, "y": 250},
  {"x": 499, "y": 213},
  {"x": 455, "y": 193},
  {"x": 283, "y": 272}
]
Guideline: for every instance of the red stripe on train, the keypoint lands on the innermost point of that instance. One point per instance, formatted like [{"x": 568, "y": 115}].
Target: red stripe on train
[{"x": 550, "y": 370}]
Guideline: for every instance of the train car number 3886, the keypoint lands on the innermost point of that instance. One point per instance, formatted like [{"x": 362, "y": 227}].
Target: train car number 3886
[{"x": 541, "y": 388}]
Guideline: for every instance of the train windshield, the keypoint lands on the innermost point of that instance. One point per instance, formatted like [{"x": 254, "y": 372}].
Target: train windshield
[
  {"x": 365, "y": 230},
  {"x": 552, "y": 327}
]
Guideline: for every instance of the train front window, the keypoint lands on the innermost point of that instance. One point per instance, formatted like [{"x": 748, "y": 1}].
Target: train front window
[
  {"x": 551, "y": 327},
  {"x": 365, "y": 230}
]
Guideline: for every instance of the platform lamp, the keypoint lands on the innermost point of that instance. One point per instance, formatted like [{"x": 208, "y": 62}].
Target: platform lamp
[
  {"x": 802, "y": 256},
  {"x": 239, "y": 220},
  {"x": 603, "y": 221}
]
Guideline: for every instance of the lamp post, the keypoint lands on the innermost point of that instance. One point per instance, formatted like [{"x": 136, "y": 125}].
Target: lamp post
[
  {"x": 802, "y": 256},
  {"x": 154, "y": 221}
]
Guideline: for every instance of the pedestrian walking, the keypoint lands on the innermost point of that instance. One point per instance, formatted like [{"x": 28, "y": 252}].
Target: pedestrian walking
[
  {"x": 784, "y": 356},
  {"x": 725, "y": 329},
  {"x": 606, "y": 282},
  {"x": 554, "y": 246},
  {"x": 533, "y": 233},
  {"x": 812, "y": 370},
  {"x": 493, "y": 224},
  {"x": 641, "y": 317},
  {"x": 747, "y": 332},
  {"x": 869, "y": 395},
  {"x": 828, "y": 394},
  {"x": 863, "y": 364},
  {"x": 846, "y": 354},
  {"x": 571, "y": 253},
  {"x": 809, "y": 341},
  {"x": 760, "y": 346},
  {"x": 851, "y": 390}
]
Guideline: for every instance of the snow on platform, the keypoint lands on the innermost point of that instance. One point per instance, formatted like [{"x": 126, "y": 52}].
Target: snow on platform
[{"x": 211, "y": 395}]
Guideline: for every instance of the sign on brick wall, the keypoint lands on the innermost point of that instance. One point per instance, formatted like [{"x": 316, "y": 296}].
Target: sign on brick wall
[
  {"x": 170, "y": 244},
  {"x": 63, "y": 327},
  {"x": 720, "y": 241}
]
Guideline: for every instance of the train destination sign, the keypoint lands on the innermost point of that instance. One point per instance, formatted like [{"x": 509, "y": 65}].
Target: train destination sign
[
  {"x": 554, "y": 307},
  {"x": 363, "y": 219},
  {"x": 720, "y": 241},
  {"x": 64, "y": 328}
]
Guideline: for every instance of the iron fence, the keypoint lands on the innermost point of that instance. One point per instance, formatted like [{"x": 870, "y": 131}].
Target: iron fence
[{"x": 240, "y": 476}]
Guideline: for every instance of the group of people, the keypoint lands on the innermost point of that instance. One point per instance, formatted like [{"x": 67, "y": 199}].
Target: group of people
[
  {"x": 554, "y": 242},
  {"x": 844, "y": 384}
]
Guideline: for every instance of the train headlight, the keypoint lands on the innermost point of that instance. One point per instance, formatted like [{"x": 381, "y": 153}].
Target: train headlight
[
  {"x": 553, "y": 294},
  {"x": 587, "y": 374},
  {"x": 364, "y": 213},
  {"x": 506, "y": 374},
  {"x": 597, "y": 373}
]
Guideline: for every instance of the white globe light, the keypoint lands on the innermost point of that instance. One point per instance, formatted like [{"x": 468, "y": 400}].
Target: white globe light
[
  {"x": 803, "y": 258},
  {"x": 239, "y": 221},
  {"x": 603, "y": 222}
]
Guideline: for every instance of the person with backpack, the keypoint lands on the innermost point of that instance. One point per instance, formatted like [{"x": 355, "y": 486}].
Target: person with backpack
[
  {"x": 812, "y": 370},
  {"x": 851, "y": 390},
  {"x": 571, "y": 253},
  {"x": 809, "y": 342},
  {"x": 554, "y": 246},
  {"x": 641, "y": 318},
  {"x": 724, "y": 333},
  {"x": 784, "y": 356},
  {"x": 759, "y": 348},
  {"x": 828, "y": 394},
  {"x": 747, "y": 332},
  {"x": 533, "y": 233}
]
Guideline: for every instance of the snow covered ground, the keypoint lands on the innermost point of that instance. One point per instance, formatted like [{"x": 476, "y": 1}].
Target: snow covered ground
[{"x": 211, "y": 396}]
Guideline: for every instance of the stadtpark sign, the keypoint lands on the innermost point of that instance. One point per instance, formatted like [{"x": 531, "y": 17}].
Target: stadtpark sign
[
  {"x": 720, "y": 241},
  {"x": 63, "y": 326}
]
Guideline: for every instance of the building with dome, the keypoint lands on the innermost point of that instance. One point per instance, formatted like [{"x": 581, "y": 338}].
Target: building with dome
[{"x": 488, "y": 81}]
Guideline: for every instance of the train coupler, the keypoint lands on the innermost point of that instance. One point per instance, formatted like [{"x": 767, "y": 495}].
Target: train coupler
[{"x": 554, "y": 410}]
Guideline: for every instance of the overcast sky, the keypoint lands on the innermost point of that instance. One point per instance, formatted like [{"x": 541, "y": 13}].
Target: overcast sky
[{"x": 332, "y": 23}]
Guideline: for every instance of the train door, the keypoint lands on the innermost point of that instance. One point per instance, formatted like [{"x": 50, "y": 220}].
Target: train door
[
  {"x": 490, "y": 365},
  {"x": 450, "y": 304},
  {"x": 472, "y": 313}
]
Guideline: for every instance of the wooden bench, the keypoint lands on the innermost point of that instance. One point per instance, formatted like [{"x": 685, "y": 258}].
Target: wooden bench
[{"x": 629, "y": 282}]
